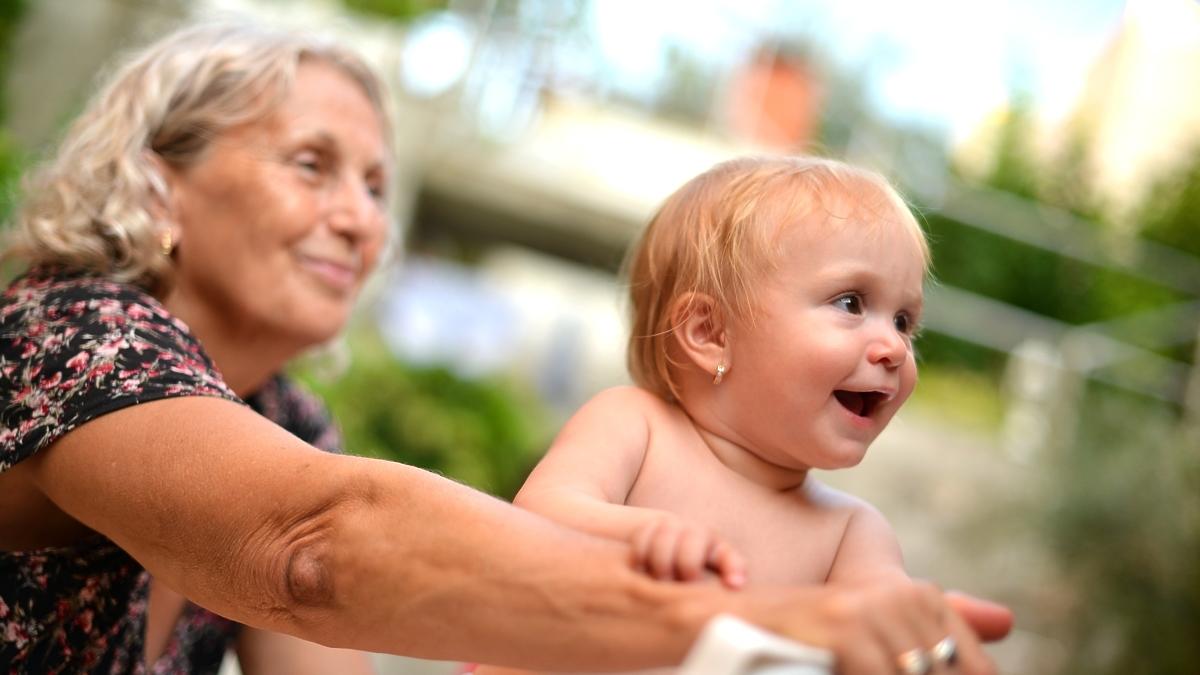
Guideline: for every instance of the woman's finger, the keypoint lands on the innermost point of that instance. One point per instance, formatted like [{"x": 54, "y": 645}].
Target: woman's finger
[
  {"x": 989, "y": 620},
  {"x": 969, "y": 657}
]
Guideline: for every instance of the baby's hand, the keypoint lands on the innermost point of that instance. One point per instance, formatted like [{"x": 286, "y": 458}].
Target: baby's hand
[{"x": 669, "y": 547}]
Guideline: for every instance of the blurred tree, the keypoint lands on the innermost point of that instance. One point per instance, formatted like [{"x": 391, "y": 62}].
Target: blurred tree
[
  {"x": 1125, "y": 525},
  {"x": 1170, "y": 213},
  {"x": 400, "y": 10},
  {"x": 11, "y": 158},
  {"x": 485, "y": 433},
  {"x": 1014, "y": 167}
]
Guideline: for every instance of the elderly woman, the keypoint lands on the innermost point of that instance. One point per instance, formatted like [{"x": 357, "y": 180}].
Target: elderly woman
[{"x": 163, "y": 489}]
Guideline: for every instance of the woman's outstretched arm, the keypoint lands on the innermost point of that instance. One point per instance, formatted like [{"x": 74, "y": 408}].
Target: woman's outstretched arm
[{"x": 245, "y": 519}]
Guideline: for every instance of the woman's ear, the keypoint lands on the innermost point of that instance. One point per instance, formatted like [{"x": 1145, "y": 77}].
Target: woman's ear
[
  {"x": 701, "y": 331},
  {"x": 161, "y": 206}
]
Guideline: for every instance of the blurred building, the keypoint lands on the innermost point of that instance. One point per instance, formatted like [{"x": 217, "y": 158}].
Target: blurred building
[
  {"x": 1141, "y": 104},
  {"x": 1137, "y": 115}
]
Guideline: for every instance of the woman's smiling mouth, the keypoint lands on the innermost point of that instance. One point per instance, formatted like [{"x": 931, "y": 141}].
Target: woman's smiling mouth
[{"x": 338, "y": 275}]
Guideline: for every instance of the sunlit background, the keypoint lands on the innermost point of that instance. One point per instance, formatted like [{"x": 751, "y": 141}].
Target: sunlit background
[{"x": 1050, "y": 458}]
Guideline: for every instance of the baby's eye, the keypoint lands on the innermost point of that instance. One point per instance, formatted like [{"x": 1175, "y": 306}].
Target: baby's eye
[
  {"x": 905, "y": 324},
  {"x": 850, "y": 302}
]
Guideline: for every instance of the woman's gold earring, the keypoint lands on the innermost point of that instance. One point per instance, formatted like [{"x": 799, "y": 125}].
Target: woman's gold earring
[
  {"x": 166, "y": 242},
  {"x": 720, "y": 373}
]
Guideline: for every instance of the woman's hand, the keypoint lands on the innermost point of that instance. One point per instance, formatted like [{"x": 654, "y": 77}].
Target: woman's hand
[
  {"x": 871, "y": 629},
  {"x": 670, "y": 547}
]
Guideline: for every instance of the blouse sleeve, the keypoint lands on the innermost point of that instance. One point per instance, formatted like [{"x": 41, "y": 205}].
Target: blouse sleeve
[
  {"x": 74, "y": 349},
  {"x": 291, "y": 406}
]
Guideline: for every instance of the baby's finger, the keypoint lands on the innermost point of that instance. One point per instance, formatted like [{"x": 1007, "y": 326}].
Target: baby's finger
[
  {"x": 691, "y": 554},
  {"x": 661, "y": 557},
  {"x": 727, "y": 562}
]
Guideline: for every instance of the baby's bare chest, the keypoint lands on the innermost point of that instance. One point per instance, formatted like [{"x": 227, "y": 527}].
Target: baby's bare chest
[{"x": 785, "y": 538}]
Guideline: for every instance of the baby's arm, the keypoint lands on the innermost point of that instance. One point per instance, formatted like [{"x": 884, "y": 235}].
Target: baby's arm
[
  {"x": 869, "y": 550},
  {"x": 586, "y": 476}
]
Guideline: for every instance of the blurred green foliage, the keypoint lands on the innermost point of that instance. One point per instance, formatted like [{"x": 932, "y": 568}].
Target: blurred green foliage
[
  {"x": 399, "y": 10},
  {"x": 12, "y": 164},
  {"x": 1124, "y": 523},
  {"x": 1121, "y": 498},
  {"x": 487, "y": 433},
  {"x": 1171, "y": 211},
  {"x": 12, "y": 160}
]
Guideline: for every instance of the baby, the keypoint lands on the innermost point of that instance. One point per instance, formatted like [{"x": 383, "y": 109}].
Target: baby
[{"x": 775, "y": 302}]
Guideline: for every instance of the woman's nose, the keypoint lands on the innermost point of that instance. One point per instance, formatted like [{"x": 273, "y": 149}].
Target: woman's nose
[{"x": 354, "y": 211}]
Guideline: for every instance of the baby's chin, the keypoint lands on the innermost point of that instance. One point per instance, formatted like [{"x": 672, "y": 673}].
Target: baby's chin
[{"x": 843, "y": 459}]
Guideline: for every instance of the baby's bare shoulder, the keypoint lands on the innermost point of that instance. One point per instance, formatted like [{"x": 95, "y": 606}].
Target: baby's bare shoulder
[
  {"x": 825, "y": 498},
  {"x": 632, "y": 398}
]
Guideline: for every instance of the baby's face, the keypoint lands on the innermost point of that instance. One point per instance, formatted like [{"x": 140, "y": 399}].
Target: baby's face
[{"x": 828, "y": 360}]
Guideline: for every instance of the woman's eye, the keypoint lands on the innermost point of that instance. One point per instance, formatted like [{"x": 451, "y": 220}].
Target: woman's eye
[
  {"x": 851, "y": 302},
  {"x": 308, "y": 162}
]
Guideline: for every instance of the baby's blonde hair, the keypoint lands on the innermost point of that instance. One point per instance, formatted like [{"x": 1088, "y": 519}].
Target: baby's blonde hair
[
  {"x": 718, "y": 234},
  {"x": 89, "y": 206}
]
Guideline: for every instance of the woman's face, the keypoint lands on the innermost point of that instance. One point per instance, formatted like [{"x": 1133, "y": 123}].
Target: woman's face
[{"x": 282, "y": 218}]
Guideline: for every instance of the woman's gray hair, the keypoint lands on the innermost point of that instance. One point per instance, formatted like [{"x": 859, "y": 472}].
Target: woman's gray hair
[{"x": 90, "y": 206}]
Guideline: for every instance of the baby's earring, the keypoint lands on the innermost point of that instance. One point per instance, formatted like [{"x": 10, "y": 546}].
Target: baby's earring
[{"x": 721, "y": 368}]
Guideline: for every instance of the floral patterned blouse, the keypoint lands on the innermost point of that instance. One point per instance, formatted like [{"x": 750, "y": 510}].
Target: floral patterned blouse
[{"x": 72, "y": 348}]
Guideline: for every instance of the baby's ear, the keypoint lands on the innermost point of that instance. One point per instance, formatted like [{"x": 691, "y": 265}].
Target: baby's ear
[{"x": 700, "y": 330}]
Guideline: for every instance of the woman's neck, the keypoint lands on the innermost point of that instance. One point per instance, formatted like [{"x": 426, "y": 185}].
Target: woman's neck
[{"x": 245, "y": 357}]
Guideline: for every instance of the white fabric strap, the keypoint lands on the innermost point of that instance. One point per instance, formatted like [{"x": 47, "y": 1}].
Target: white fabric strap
[{"x": 730, "y": 646}]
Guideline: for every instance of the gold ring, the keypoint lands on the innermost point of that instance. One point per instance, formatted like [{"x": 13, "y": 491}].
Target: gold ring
[
  {"x": 945, "y": 651},
  {"x": 915, "y": 662}
]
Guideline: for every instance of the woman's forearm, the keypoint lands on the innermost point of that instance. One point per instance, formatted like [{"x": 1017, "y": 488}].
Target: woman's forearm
[{"x": 471, "y": 577}]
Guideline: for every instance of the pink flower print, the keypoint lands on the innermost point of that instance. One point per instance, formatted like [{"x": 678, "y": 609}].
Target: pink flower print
[
  {"x": 84, "y": 620},
  {"x": 3, "y": 607},
  {"x": 106, "y": 306},
  {"x": 13, "y": 633},
  {"x": 30, "y": 350},
  {"x": 100, "y": 369},
  {"x": 6, "y": 437},
  {"x": 52, "y": 381},
  {"x": 8, "y": 369},
  {"x": 136, "y": 311},
  {"x": 110, "y": 348},
  {"x": 79, "y": 361}
]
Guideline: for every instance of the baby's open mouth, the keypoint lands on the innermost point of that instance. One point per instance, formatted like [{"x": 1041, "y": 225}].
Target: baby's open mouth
[{"x": 861, "y": 403}]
